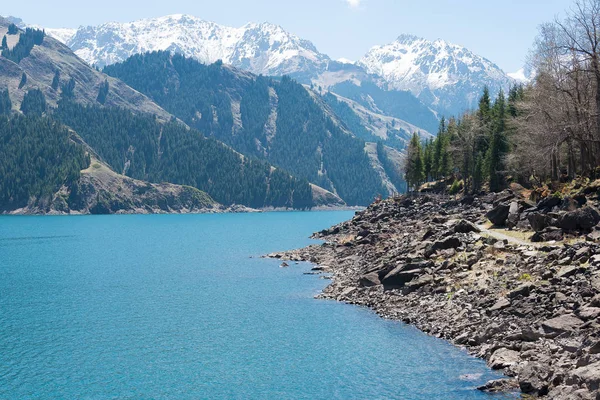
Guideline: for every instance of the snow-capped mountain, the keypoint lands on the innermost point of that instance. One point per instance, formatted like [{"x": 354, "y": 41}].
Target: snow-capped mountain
[
  {"x": 523, "y": 75},
  {"x": 259, "y": 48},
  {"x": 446, "y": 76}
]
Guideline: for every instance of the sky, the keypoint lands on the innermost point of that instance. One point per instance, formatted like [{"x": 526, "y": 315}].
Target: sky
[{"x": 501, "y": 31}]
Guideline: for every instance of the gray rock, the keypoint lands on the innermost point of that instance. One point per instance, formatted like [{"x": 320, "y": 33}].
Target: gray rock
[
  {"x": 513, "y": 215},
  {"x": 522, "y": 290},
  {"x": 499, "y": 214},
  {"x": 565, "y": 323},
  {"x": 399, "y": 277},
  {"x": 533, "y": 378},
  {"x": 538, "y": 221},
  {"x": 369, "y": 280},
  {"x": 503, "y": 358},
  {"x": 464, "y": 226},
  {"x": 500, "y": 304},
  {"x": 588, "y": 375},
  {"x": 582, "y": 219}
]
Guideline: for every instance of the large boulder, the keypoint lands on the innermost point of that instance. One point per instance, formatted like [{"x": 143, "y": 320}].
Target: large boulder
[
  {"x": 582, "y": 219},
  {"x": 588, "y": 375},
  {"x": 451, "y": 242},
  {"x": 503, "y": 358},
  {"x": 565, "y": 323},
  {"x": 400, "y": 276},
  {"x": 464, "y": 226},
  {"x": 499, "y": 214},
  {"x": 513, "y": 215},
  {"x": 538, "y": 221},
  {"x": 533, "y": 378},
  {"x": 549, "y": 202}
]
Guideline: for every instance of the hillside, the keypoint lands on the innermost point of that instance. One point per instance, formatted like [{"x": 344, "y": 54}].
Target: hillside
[
  {"x": 40, "y": 76},
  {"x": 278, "y": 121}
]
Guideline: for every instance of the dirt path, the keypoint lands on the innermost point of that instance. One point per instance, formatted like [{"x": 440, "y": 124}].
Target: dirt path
[{"x": 503, "y": 236}]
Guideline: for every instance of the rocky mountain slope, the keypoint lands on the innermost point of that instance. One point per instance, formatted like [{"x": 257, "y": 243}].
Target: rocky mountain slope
[
  {"x": 531, "y": 309},
  {"x": 446, "y": 76}
]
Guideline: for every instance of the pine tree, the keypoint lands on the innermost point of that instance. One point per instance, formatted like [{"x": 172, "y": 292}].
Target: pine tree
[
  {"x": 414, "y": 163},
  {"x": 498, "y": 144},
  {"x": 23, "y": 81},
  {"x": 4, "y": 43},
  {"x": 102, "y": 92},
  {"x": 68, "y": 89},
  {"x": 34, "y": 103},
  {"x": 56, "y": 80},
  {"x": 12, "y": 29},
  {"x": 5, "y": 103}
]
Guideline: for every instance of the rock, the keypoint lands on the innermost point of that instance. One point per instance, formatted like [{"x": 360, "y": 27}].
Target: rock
[
  {"x": 284, "y": 265},
  {"x": 588, "y": 375},
  {"x": 549, "y": 202},
  {"x": 503, "y": 358},
  {"x": 399, "y": 277},
  {"x": 451, "y": 242},
  {"x": 568, "y": 271},
  {"x": 499, "y": 214},
  {"x": 522, "y": 290},
  {"x": 581, "y": 219},
  {"x": 369, "y": 280},
  {"x": 588, "y": 313},
  {"x": 565, "y": 323},
  {"x": 513, "y": 215},
  {"x": 499, "y": 386},
  {"x": 533, "y": 378},
  {"x": 547, "y": 235},
  {"x": 538, "y": 221},
  {"x": 464, "y": 226},
  {"x": 500, "y": 305}
]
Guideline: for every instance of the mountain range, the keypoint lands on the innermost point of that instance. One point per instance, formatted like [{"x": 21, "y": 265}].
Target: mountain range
[
  {"x": 161, "y": 132},
  {"x": 444, "y": 77}
]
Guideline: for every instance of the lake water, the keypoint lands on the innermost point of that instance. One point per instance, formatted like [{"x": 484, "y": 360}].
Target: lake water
[{"x": 173, "y": 307}]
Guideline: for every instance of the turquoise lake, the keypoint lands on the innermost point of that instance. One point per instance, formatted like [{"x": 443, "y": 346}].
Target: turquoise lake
[{"x": 181, "y": 307}]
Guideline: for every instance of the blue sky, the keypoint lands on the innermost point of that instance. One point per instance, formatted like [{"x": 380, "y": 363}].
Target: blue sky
[{"x": 501, "y": 31}]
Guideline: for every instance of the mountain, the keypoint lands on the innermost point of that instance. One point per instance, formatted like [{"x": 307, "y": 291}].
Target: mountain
[
  {"x": 523, "y": 75},
  {"x": 279, "y": 121},
  {"x": 262, "y": 49},
  {"x": 259, "y": 48},
  {"x": 446, "y": 76},
  {"x": 146, "y": 158}
]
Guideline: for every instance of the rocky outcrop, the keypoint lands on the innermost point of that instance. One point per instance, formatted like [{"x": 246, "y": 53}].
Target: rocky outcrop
[{"x": 531, "y": 310}]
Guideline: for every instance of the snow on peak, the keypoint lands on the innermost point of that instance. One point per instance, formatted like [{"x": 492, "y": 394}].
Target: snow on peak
[
  {"x": 345, "y": 61},
  {"x": 523, "y": 75},
  {"x": 439, "y": 72},
  {"x": 261, "y": 48}
]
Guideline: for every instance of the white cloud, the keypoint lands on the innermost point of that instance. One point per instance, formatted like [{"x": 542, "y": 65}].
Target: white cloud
[{"x": 353, "y": 3}]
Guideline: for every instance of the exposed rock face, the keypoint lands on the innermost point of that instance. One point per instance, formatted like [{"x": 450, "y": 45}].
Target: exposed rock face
[{"x": 532, "y": 311}]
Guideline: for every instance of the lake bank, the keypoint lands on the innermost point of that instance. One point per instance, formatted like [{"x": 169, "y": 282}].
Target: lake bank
[{"x": 529, "y": 310}]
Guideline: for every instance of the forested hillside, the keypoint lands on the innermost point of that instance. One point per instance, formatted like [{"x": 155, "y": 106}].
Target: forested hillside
[
  {"x": 36, "y": 159},
  {"x": 277, "y": 121},
  {"x": 141, "y": 147}
]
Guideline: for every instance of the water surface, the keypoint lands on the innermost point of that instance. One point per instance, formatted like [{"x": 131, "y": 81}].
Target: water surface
[{"x": 172, "y": 306}]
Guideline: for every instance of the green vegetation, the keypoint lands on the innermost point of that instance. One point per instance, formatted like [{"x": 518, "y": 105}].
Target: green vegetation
[
  {"x": 23, "y": 81},
  {"x": 5, "y": 103},
  {"x": 36, "y": 159},
  {"x": 142, "y": 147},
  {"x": 306, "y": 142},
  {"x": 56, "y": 80},
  {"x": 12, "y": 29},
  {"x": 34, "y": 103},
  {"x": 102, "y": 92},
  {"x": 27, "y": 40}
]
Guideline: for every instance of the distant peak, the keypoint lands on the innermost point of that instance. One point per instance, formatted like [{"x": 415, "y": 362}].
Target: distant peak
[{"x": 408, "y": 38}]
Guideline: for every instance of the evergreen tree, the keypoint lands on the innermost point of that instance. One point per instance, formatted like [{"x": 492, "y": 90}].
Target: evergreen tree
[
  {"x": 68, "y": 89},
  {"x": 5, "y": 103},
  {"x": 413, "y": 171},
  {"x": 34, "y": 103},
  {"x": 23, "y": 80},
  {"x": 102, "y": 92},
  {"x": 4, "y": 43},
  {"x": 12, "y": 29},
  {"x": 498, "y": 144},
  {"x": 428, "y": 160},
  {"x": 56, "y": 80}
]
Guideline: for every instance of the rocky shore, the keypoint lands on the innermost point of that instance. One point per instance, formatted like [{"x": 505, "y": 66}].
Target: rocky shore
[{"x": 524, "y": 296}]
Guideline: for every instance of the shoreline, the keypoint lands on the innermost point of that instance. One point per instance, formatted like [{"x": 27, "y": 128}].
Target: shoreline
[
  {"x": 531, "y": 311},
  {"x": 235, "y": 209}
]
